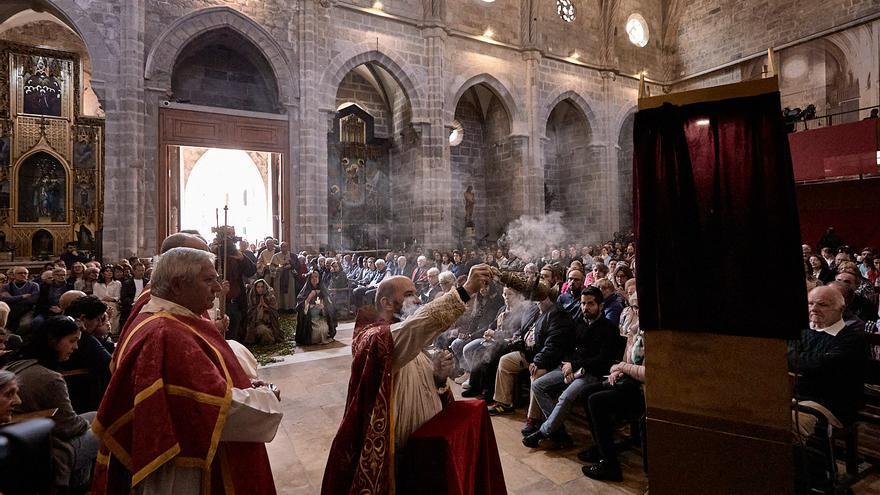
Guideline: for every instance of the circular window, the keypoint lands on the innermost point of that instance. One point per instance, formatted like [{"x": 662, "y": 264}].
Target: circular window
[
  {"x": 637, "y": 30},
  {"x": 457, "y": 133},
  {"x": 566, "y": 10}
]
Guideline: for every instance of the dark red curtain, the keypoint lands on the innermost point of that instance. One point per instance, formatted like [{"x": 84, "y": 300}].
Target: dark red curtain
[{"x": 718, "y": 245}]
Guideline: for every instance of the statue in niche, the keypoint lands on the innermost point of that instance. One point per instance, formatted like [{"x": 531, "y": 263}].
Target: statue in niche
[
  {"x": 42, "y": 184},
  {"x": 549, "y": 198},
  {"x": 42, "y": 88},
  {"x": 470, "y": 199}
]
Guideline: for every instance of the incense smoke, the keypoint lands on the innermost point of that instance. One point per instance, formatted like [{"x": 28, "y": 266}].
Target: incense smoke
[{"x": 531, "y": 236}]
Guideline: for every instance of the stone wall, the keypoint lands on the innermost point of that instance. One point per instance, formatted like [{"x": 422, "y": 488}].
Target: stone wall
[
  {"x": 222, "y": 69},
  {"x": 356, "y": 89},
  {"x": 712, "y": 33},
  {"x": 570, "y": 167},
  {"x": 431, "y": 53},
  {"x": 468, "y": 168}
]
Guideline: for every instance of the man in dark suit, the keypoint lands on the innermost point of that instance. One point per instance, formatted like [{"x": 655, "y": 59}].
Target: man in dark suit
[
  {"x": 597, "y": 346},
  {"x": 542, "y": 348}
]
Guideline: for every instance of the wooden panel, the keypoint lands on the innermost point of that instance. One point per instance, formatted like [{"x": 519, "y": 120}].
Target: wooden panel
[
  {"x": 719, "y": 408},
  {"x": 214, "y": 130},
  {"x": 190, "y": 128},
  {"x": 684, "y": 460}
]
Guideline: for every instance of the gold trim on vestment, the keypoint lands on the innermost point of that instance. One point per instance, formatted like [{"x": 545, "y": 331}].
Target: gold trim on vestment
[
  {"x": 120, "y": 349},
  {"x": 147, "y": 392},
  {"x": 195, "y": 395},
  {"x": 223, "y": 404},
  {"x": 155, "y": 464},
  {"x": 227, "y": 398},
  {"x": 228, "y": 485}
]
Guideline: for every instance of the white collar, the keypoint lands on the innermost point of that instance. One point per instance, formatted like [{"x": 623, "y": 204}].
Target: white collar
[
  {"x": 158, "y": 304},
  {"x": 833, "y": 330}
]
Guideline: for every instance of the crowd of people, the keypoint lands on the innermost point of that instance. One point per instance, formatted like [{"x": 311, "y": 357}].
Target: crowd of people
[{"x": 578, "y": 348}]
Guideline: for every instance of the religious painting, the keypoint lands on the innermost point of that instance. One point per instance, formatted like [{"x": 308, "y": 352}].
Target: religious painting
[
  {"x": 4, "y": 194},
  {"x": 84, "y": 196},
  {"x": 42, "y": 86},
  {"x": 5, "y": 145},
  {"x": 42, "y": 189},
  {"x": 85, "y": 147}
]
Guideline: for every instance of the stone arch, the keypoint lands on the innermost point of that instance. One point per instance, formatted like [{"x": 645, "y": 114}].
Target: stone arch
[
  {"x": 164, "y": 52},
  {"x": 363, "y": 53},
  {"x": 95, "y": 41},
  {"x": 620, "y": 116},
  {"x": 579, "y": 102},
  {"x": 497, "y": 87}
]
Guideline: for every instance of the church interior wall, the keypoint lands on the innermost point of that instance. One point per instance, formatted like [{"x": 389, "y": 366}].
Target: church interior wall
[
  {"x": 570, "y": 168},
  {"x": 683, "y": 35},
  {"x": 475, "y": 17},
  {"x": 710, "y": 34},
  {"x": 222, "y": 69},
  {"x": 468, "y": 167},
  {"x": 355, "y": 89}
]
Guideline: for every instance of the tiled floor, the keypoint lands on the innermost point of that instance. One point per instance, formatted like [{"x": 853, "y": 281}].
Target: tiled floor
[{"x": 313, "y": 384}]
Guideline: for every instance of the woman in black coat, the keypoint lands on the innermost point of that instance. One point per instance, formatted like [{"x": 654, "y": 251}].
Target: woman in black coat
[{"x": 315, "y": 323}]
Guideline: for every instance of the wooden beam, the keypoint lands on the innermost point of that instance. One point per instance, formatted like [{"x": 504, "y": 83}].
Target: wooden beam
[{"x": 715, "y": 93}]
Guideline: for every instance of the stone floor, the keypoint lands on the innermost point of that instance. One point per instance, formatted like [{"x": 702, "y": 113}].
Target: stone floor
[{"x": 313, "y": 384}]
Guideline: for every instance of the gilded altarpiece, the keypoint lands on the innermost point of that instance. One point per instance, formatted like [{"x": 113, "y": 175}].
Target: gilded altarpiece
[{"x": 51, "y": 158}]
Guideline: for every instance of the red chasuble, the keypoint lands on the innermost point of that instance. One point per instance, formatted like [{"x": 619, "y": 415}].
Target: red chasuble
[
  {"x": 167, "y": 402},
  {"x": 361, "y": 457}
]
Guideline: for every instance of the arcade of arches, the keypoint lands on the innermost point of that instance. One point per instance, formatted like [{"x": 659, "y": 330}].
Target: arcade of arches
[{"x": 540, "y": 112}]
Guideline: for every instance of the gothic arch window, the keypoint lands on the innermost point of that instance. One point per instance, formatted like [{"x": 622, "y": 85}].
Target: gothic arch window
[
  {"x": 566, "y": 10},
  {"x": 637, "y": 30}
]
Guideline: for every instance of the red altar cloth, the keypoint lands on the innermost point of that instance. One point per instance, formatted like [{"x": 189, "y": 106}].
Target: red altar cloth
[{"x": 453, "y": 454}]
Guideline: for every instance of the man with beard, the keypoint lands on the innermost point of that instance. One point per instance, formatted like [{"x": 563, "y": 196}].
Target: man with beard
[
  {"x": 570, "y": 300},
  {"x": 392, "y": 378}
]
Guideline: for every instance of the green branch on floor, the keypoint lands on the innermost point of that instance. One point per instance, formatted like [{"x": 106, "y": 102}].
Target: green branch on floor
[{"x": 270, "y": 353}]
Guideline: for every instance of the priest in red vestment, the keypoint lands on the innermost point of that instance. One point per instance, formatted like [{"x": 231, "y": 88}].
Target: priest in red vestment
[
  {"x": 180, "y": 415},
  {"x": 393, "y": 388}
]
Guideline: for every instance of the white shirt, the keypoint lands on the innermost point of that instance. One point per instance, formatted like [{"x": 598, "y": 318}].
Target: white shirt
[
  {"x": 833, "y": 330},
  {"x": 138, "y": 286}
]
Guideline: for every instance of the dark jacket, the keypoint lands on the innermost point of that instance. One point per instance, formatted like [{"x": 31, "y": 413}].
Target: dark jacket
[
  {"x": 597, "y": 346},
  {"x": 831, "y": 369},
  {"x": 613, "y": 306},
  {"x": 49, "y": 295},
  {"x": 553, "y": 335},
  {"x": 570, "y": 302}
]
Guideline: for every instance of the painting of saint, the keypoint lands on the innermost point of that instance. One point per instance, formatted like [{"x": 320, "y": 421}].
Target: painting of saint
[
  {"x": 4, "y": 149},
  {"x": 42, "y": 89},
  {"x": 84, "y": 151}
]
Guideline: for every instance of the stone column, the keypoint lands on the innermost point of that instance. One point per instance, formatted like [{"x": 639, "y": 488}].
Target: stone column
[
  {"x": 309, "y": 177},
  {"x": 606, "y": 150},
  {"x": 533, "y": 152},
  {"x": 124, "y": 159},
  {"x": 432, "y": 222}
]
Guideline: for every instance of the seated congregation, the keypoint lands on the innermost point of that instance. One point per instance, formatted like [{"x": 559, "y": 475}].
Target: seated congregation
[{"x": 579, "y": 351}]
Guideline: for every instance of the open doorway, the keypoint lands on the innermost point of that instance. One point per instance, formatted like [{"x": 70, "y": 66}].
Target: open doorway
[
  {"x": 211, "y": 178},
  {"x": 210, "y": 160}
]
